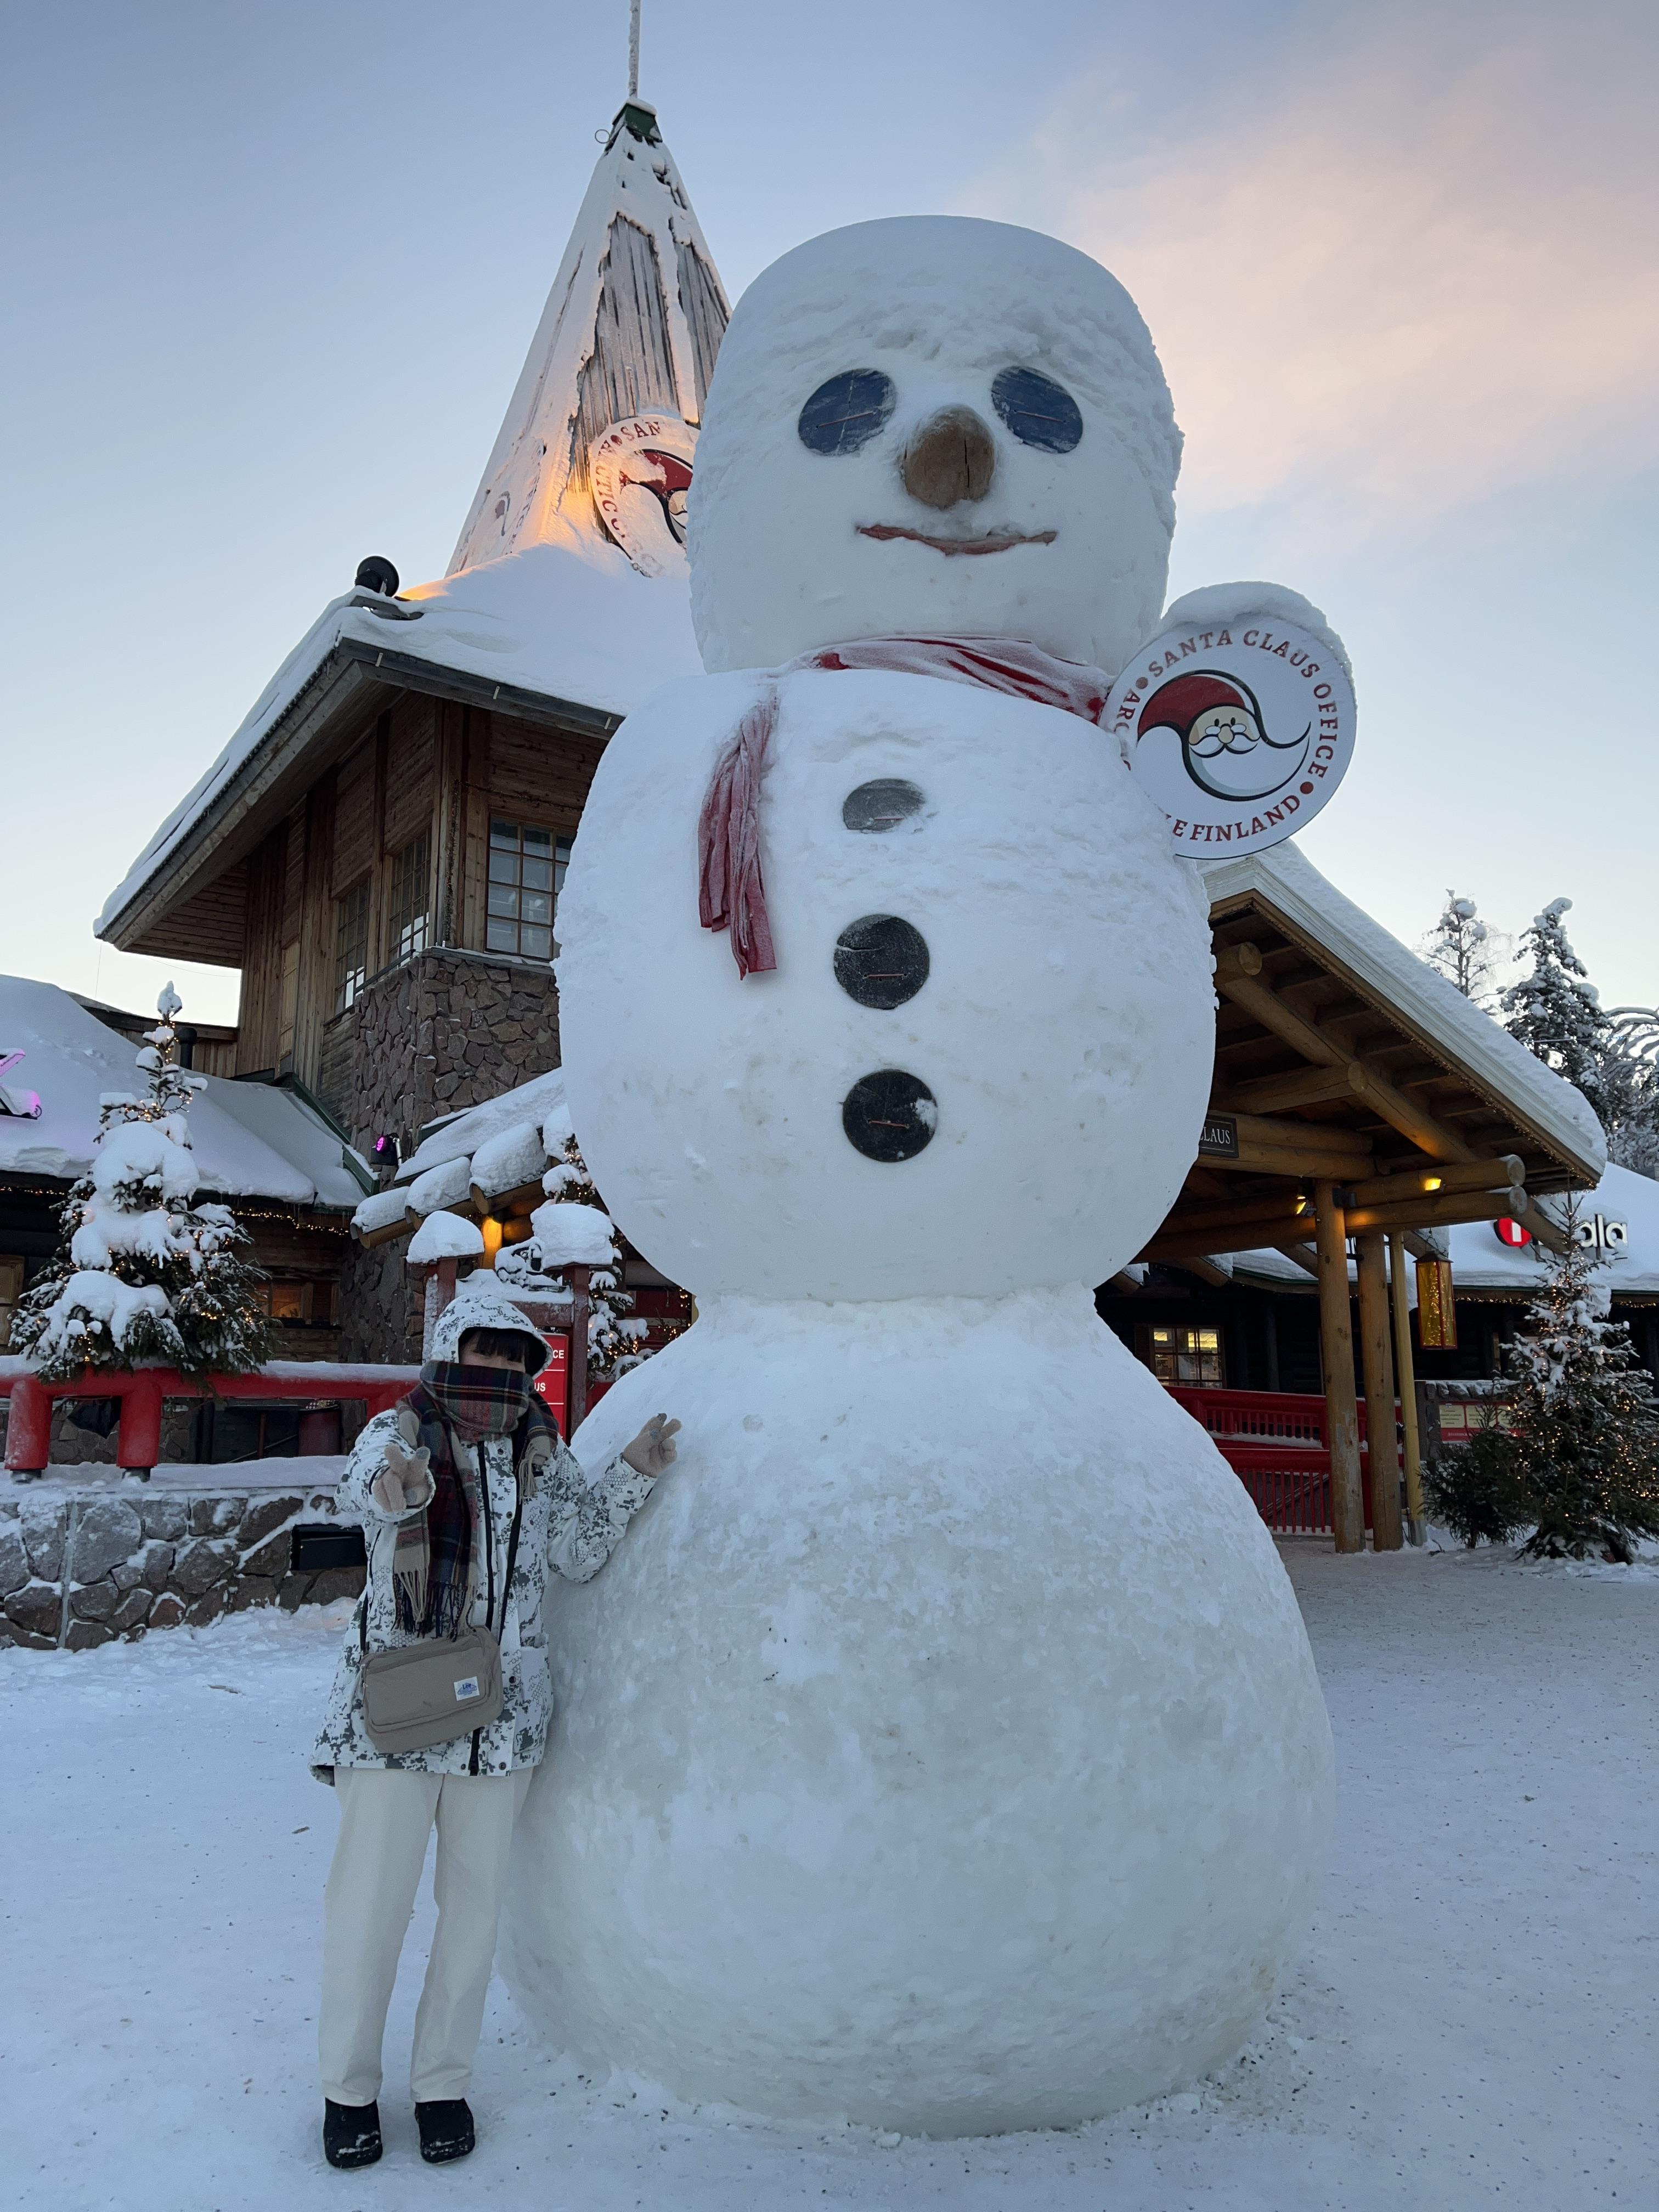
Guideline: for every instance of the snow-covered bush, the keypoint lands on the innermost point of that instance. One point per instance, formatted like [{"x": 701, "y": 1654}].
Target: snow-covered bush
[
  {"x": 614, "y": 1342},
  {"x": 1554, "y": 1010},
  {"x": 142, "y": 1272}
]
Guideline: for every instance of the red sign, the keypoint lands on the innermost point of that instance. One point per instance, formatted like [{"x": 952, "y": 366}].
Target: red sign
[
  {"x": 553, "y": 1384},
  {"x": 1511, "y": 1233}
]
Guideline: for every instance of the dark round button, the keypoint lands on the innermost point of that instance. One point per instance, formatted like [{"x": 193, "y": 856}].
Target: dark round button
[
  {"x": 882, "y": 805},
  {"x": 889, "y": 1116},
  {"x": 881, "y": 961}
]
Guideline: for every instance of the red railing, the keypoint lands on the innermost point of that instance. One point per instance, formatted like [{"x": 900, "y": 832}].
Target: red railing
[
  {"x": 1277, "y": 1443},
  {"x": 145, "y": 1391}
]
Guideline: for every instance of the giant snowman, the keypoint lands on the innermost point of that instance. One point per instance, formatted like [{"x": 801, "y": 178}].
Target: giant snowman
[{"x": 942, "y": 1750}]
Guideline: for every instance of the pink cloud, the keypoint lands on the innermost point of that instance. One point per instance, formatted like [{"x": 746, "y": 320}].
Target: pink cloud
[{"x": 1423, "y": 270}]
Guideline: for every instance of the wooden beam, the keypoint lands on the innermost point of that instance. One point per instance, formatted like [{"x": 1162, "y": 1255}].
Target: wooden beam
[
  {"x": 1413, "y": 1120},
  {"x": 1304, "y": 1086},
  {"x": 1207, "y": 1272},
  {"x": 1306, "y": 1163},
  {"x": 1198, "y": 1220},
  {"x": 1336, "y": 1340},
  {"x": 1532, "y": 1215},
  {"x": 1501, "y": 1174},
  {"x": 1417, "y": 1526},
  {"x": 1377, "y": 1355},
  {"x": 1313, "y": 1136},
  {"x": 1436, "y": 1213}
]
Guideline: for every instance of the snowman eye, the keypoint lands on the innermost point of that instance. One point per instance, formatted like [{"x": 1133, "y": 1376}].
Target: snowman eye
[
  {"x": 1039, "y": 411},
  {"x": 847, "y": 411}
]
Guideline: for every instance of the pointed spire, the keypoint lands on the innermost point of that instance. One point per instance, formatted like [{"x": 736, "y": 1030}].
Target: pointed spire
[{"x": 597, "y": 442}]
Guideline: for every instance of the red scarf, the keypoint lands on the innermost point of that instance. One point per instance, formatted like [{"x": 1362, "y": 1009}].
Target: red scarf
[{"x": 730, "y": 891}]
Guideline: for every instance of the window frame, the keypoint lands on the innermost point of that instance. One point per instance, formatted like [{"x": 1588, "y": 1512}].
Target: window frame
[
  {"x": 509, "y": 884},
  {"x": 350, "y": 980}
]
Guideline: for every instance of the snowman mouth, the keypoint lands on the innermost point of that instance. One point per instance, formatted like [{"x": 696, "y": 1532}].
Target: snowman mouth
[{"x": 994, "y": 541}]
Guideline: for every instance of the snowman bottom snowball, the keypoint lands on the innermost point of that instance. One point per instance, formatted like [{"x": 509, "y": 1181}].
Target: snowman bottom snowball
[{"x": 943, "y": 1749}]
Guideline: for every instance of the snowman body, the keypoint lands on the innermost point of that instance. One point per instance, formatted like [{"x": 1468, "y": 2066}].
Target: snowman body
[{"x": 942, "y": 1750}]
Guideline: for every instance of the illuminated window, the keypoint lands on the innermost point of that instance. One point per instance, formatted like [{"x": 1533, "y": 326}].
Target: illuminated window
[
  {"x": 526, "y": 872},
  {"x": 351, "y": 945},
  {"x": 1188, "y": 1356},
  {"x": 411, "y": 872}
]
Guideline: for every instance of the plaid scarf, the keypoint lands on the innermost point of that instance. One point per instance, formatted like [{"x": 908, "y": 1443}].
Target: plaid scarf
[{"x": 435, "y": 1565}]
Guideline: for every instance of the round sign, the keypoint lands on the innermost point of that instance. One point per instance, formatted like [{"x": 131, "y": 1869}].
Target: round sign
[
  {"x": 640, "y": 472},
  {"x": 1240, "y": 731},
  {"x": 1511, "y": 1233}
]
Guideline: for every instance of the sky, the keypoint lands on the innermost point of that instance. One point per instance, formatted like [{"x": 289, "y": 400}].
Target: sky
[{"x": 270, "y": 272}]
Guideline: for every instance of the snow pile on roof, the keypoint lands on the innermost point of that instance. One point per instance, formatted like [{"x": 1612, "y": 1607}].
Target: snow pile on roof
[
  {"x": 570, "y": 1234},
  {"x": 463, "y": 1134},
  {"x": 445, "y": 1236},
  {"x": 1481, "y": 1261},
  {"x": 251, "y": 1140},
  {"x": 1289, "y": 882}
]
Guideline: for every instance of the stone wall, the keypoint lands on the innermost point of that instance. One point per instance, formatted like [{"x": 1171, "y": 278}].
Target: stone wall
[
  {"x": 132, "y": 1558},
  {"x": 445, "y": 1030}
]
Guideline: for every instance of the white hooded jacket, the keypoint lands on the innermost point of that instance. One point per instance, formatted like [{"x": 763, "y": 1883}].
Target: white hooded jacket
[{"x": 568, "y": 1523}]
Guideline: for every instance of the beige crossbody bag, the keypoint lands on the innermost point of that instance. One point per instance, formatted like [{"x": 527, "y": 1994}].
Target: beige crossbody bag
[{"x": 421, "y": 1695}]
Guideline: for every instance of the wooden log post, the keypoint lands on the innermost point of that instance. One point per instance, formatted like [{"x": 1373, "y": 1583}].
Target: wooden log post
[
  {"x": 1336, "y": 1340},
  {"x": 1376, "y": 1354},
  {"x": 1417, "y": 1524},
  {"x": 576, "y": 1277}
]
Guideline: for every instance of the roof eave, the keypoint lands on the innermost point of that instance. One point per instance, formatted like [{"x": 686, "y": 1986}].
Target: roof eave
[{"x": 342, "y": 688}]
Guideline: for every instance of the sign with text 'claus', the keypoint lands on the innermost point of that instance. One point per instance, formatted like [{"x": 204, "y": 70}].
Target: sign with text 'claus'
[{"x": 1240, "y": 730}]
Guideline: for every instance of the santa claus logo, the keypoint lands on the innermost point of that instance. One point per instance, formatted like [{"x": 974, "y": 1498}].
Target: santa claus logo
[
  {"x": 640, "y": 472},
  {"x": 1225, "y": 744},
  {"x": 1240, "y": 730}
]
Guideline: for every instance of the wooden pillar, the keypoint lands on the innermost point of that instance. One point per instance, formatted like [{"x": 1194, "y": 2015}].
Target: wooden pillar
[
  {"x": 576, "y": 1277},
  {"x": 1376, "y": 1354},
  {"x": 1417, "y": 1524},
  {"x": 1336, "y": 1340}
]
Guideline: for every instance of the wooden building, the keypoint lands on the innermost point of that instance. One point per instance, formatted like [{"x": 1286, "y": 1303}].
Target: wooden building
[{"x": 378, "y": 849}]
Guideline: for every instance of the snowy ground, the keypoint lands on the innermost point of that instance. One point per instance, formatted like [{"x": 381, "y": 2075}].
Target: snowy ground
[{"x": 1474, "y": 2021}]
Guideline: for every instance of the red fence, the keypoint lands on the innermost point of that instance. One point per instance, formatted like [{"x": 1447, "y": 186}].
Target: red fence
[
  {"x": 145, "y": 1391},
  {"x": 1277, "y": 1443}
]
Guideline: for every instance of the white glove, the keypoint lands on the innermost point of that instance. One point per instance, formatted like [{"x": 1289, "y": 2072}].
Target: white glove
[
  {"x": 405, "y": 1481},
  {"x": 652, "y": 1451}
]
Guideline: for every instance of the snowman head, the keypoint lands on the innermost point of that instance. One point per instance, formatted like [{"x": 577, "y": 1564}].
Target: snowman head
[{"x": 932, "y": 424}]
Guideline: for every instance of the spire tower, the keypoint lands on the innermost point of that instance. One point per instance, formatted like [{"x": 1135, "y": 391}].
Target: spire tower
[{"x": 598, "y": 442}]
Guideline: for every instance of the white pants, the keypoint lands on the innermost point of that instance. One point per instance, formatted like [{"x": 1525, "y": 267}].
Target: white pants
[{"x": 386, "y": 1817}]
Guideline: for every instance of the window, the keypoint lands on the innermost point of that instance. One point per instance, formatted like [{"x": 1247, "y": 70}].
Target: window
[
  {"x": 351, "y": 945},
  {"x": 11, "y": 1290},
  {"x": 1187, "y": 1356},
  {"x": 412, "y": 873},
  {"x": 526, "y": 871}
]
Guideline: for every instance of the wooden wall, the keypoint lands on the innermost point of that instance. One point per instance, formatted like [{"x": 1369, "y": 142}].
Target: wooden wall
[{"x": 427, "y": 764}]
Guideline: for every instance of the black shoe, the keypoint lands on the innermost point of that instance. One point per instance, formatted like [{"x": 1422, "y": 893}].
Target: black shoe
[
  {"x": 351, "y": 2133},
  {"x": 446, "y": 2125}
]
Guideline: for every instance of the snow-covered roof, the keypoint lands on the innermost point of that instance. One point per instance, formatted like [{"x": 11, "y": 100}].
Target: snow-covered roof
[
  {"x": 503, "y": 1144},
  {"x": 251, "y": 1140},
  {"x": 540, "y": 600},
  {"x": 1481, "y": 1261},
  {"x": 459, "y": 1137},
  {"x": 1284, "y": 880}
]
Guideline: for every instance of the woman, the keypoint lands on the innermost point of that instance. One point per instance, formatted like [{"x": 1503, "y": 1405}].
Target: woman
[{"x": 467, "y": 1495}]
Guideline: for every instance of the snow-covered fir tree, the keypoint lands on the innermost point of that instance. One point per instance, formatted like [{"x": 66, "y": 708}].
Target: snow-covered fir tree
[
  {"x": 1465, "y": 949},
  {"x": 142, "y": 1272},
  {"x": 1582, "y": 1433},
  {"x": 1555, "y": 1010},
  {"x": 615, "y": 1341},
  {"x": 1630, "y": 1087}
]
